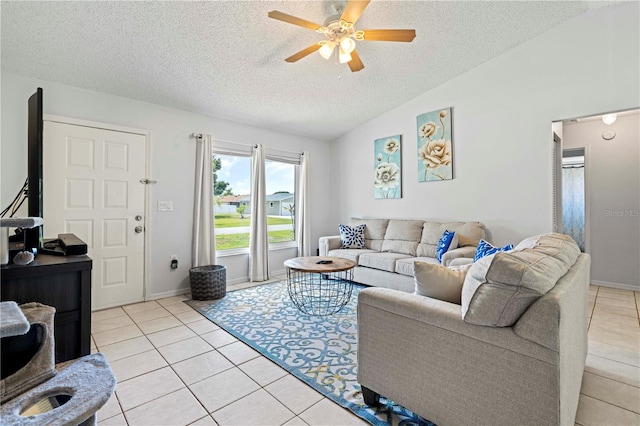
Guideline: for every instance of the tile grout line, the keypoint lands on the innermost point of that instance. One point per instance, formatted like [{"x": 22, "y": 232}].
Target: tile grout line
[
  {"x": 170, "y": 365},
  {"x": 297, "y": 416},
  {"x": 174, "y": 372},
  {"x": 612, "y": 379},
  {"x": 609, "y": 378},
  {"x": 234, "y": 365},
  {"x": 609, "y": 403},
  {"x": 155, "y": 348},
  {"x": 288, "y": 373}
]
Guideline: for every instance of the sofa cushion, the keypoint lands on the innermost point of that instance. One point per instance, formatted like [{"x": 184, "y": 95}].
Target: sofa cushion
[
  {"x": 402, "y": 236},
  {"x": 499, "y": 288},
  {"x": 448, "y": 240},
  {"x": 351, "y": 254},
  {"x": 352, "y": 236},
  {"x": 406, "y": 266},
  {"x": 467, "y": 232},
  {"x": 439, "y": 282},
  {"x": 464, "y": 241},
  {"x": 382, "y": 261},
  {"x": 486, "y": 249},
  {"x": 373, "y": 232}
]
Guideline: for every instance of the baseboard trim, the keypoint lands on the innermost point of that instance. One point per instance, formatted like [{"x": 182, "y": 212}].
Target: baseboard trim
[
  {"x": 181, "y": 291},
  {"x": 280, "y": 272},
  {"x": 171, "y": 293},
  {"x": 272, "y": 274},
  {"x": 616, "y": 285}
]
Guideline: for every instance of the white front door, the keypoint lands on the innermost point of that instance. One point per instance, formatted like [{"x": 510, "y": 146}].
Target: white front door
[{"x": 91, "y": 188}]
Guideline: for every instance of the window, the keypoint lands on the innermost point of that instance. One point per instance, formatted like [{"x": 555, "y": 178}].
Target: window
[
  {"x": 231, "y": 190},
  {"x": 280, "y": 186},
  {"x": 232, "y": 194}
]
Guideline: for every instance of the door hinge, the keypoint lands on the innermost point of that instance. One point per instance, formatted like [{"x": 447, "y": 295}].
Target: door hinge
[{"x": 147, "y": 181}]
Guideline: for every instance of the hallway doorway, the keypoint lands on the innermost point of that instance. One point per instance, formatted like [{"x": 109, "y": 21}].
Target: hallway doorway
[{"x": 596, "y": 188}]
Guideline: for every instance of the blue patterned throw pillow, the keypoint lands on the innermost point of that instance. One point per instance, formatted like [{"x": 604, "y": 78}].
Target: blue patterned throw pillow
[
  {"x": 352, "y": 236},
  {"x": 485, "y": 249},
  {"x": 449, "y": 240}
]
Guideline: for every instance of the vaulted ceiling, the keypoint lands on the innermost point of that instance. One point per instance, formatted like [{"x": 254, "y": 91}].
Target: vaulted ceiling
[{"x": 226, "y": 58}]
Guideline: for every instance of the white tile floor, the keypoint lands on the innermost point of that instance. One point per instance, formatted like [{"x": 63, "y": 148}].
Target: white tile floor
[{"x": 174, "y": 367}]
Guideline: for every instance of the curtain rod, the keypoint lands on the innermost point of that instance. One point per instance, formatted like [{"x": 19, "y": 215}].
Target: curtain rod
[{"x": 199, "y": 136}]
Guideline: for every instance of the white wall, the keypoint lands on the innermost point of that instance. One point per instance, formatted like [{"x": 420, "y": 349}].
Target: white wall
[
  {"x": 172, "y": 157},
  {"x": 612, "y": 180},
  {"x": 502, "y": 115}
]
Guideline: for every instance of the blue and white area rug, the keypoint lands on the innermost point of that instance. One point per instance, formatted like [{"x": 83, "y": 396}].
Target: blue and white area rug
[{"x": 319, "y": 350}]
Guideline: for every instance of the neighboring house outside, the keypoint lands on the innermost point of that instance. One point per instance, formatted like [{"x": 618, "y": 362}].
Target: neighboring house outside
[
  {"x": 276, "y": 203},
  {"x": 229, "y": 203}
]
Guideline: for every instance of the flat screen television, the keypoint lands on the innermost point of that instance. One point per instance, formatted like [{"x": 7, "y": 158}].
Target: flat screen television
[{"x": 33, "y": 236}]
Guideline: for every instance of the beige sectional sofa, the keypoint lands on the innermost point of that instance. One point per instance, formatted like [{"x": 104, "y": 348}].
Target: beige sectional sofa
[
  {"x": 393, "y": 245},
  {"x": 512, "y": 354}
]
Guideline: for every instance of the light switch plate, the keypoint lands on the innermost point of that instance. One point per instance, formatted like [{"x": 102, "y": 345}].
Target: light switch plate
[{"x": 165, "y": 206}]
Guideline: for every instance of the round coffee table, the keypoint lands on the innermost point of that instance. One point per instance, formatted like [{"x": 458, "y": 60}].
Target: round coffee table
[{"x": 319, "y": 288}]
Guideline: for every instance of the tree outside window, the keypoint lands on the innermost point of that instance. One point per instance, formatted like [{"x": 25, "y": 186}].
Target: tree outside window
[{"x": 231, "y": 183}]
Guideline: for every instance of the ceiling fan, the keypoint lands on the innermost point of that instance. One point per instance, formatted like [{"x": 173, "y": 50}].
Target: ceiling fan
[{"x": 341, "y": 34}]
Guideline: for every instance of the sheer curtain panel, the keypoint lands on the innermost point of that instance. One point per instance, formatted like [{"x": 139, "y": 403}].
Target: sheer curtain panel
[
  {"x": 258, "y": 240},
  {"x": 303, "y": 224},
  {"x": 573, "y": 203},
  {"x": 203, "y": 251}
]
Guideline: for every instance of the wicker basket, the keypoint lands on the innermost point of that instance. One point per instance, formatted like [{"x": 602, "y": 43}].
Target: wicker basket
[{"x": 208, "y": 282}]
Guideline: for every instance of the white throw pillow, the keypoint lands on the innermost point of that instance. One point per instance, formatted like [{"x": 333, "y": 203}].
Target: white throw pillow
[
  {"x": 439, "y": 282},
  {"x": 352, "y": 236}
]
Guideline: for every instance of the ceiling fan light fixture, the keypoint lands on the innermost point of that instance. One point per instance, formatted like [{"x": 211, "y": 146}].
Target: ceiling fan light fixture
[
  {"x": 343, "y": 56},
  {"x": 340, "y": 33},
  {"x": 347, "y": 44},
  {"x": 327, "y": 49}
]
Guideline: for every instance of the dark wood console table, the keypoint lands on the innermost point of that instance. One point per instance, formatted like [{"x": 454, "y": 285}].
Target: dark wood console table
[{"x": 63, "y": 282}]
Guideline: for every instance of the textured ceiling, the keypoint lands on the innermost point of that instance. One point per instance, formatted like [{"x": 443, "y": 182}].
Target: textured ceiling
[{"x": 226, "y": 58}]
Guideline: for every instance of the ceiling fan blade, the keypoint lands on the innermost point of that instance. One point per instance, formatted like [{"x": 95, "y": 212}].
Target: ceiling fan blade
[
  {"x": 353, "y": 10},
  {"x": 355, "y": 63},
  {"x": 389, "y": 35},
  {"x": 304, "y": 52},
  {"x": 275, "y": 14}
]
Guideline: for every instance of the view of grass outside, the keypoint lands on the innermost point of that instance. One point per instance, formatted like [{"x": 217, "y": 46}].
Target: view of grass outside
[
  {"x": 227, "y": 241},
  {"x": 229, "y": 220},
  {"x": 232, "y": 183}
]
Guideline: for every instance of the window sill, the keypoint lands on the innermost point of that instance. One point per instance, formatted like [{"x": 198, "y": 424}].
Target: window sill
[{"x": 283, "y": 246}]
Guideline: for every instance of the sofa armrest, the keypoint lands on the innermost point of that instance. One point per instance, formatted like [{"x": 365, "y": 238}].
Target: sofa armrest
[
  {"x": 467, "y": 252},
  {"x": 438, "y": 314},
  {"x": 329, "y": 243},
  {"x": 420, "y": 353}
]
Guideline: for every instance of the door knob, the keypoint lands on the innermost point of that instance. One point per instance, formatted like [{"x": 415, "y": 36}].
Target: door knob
[
  {"x": 138, "y": 218},
  {"x": 138, "y": 229}
]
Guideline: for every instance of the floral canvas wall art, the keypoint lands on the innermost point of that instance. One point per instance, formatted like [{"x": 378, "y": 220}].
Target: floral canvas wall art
[
  {"x": 434, "y": 146},
  {"x": 387, "y": 170}
]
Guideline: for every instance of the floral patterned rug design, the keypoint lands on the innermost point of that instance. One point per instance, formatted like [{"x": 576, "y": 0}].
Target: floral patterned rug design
[{"x": 319, "y": 350}]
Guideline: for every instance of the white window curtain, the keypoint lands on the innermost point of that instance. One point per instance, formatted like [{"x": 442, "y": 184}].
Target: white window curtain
[
  {"x": 203, "y": 250},
  {"x": 573, "y": 203},
  {"x": 258, "y": 240},
  {"x": 303, "y": 224}
]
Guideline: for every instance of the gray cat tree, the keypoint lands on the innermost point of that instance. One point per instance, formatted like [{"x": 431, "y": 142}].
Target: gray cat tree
[{"x": 34, "y": 391}]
